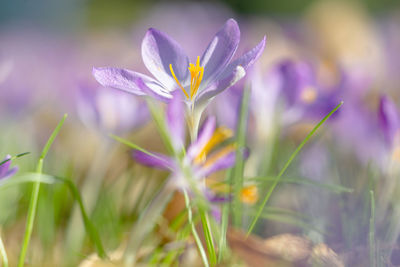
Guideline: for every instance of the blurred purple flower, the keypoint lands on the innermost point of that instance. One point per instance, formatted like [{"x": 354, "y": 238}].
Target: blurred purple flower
[
  {"x": 169, "y": 64},
  {"x": 389, "y": 120},
  {"x": 201, "y": 158},
  {"x": 5, "y": 171},
  {"x": 304, "y": 96},
  {"x": 110, "y": 110}
]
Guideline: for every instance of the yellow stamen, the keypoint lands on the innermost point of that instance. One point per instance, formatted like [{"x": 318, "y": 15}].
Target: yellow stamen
[
  {"x": 177, "y": 81},
  {"x": 309, "y": 95},
  {"x": 219, "y": 136},
  {"x": 196, "y": 76},
  {"x": 196, "y": 73},
  {"x": 249, "y": 194},
  {"x": 218, "y": 155}
]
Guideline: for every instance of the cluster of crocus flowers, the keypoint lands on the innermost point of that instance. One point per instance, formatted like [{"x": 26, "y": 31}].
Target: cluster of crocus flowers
[
  {"x": 166, "y": 60},
  {"x": 5, "y": 170}
]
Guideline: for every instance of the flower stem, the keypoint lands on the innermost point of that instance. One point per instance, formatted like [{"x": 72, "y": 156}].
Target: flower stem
[
  {"x": 146, "y": 223},
  {"x": 372, "y": 250},
  {"x": 194, "y": 231},
  {"x": 35, "y": 195},
  {"x": 75, "y": 233},
  {"x": 238, "y": 169},
  {"x": 208, "y": 236},
  {"x": 3, "y": 253}
]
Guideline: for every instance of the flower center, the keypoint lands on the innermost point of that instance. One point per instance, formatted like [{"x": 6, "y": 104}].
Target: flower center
[
  {"x": 196, "y": 75},
  {"x": 249, "y": 194},
  {"x": 309, "y": 95},
  {"x": 220, "y": 135},
  {"x": 396, "y": 154}
]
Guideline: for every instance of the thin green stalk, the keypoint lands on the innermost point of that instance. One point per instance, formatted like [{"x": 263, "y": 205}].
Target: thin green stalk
[
  {"x": 237, "y": 178},
  {"x": 47, "y": 179},
  {"x": 132, "y": 145},
  {"x": 193, "y": 120},
  {"x": 75, "y": 232},
  {"x": 14, "y": 157},
  {"x": 159, "y": 119},
  {"x": 146, "y": 223},
  {"x": 224, "y": 223},
  {"x": 372, "y": 250},
  {"x": 35, "y": 194},
  {"x": 304, "y": 181},
  {"x": 3, "y": 253},
  {"x": 208, "y": 236},
  {"x": 194, "y": 232},
  {"x": 294, "y": 154}
]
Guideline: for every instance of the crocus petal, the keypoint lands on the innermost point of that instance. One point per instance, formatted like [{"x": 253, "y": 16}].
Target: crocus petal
[
  {"x": 9, "y": 173},
  {"x": 247, "y": 59},
  {"x": 158, "y": 52},
  {"x": 129, "y": 81},
  {"x": 154, "y": 160},
  {"x": 205, "y": 133},
  {"x": 176, "y": 120},
  {"x": 5, "y": 170},
  {"x": 233, "y": 72},
  {"x": 224, "y": 162},
  {"x": 389, "y": 119},
  {"x": 296, "y": 77},
  {"x": 220, "y": 50},
  {"x": 5, "y": 166},
  {"x": 154, "y": 90},
  {"x": 214, "y": 198},
  {"x": 221, "y": 84}
]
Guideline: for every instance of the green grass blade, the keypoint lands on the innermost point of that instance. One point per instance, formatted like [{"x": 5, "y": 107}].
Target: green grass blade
[
  {"x": 237, "y": 173},
  {"x": 208, "y": 237},
  {"x": 3, "y": 253},
  {"x": 294, "y": 154},
  {"x": 90, "y": 228},
  {"x": 194, "y": 231},
  {"x": 372, "y": 251},
  {"x": 132, "y": 145},
  {"x": 146, "y": 222},
  {"x": 27, "y": 178},
  {"x": 304, "y": 181},
  {"x": 48, "y": 179},
  {"x": 14, "y": 157},
  {"x": 289, "y": 217},
  {"x": 159, "y": 119},
  {"x": 224, "y": 223},
  {"x": 35, "y": 195},
  {"x": 178, "y": 221}
]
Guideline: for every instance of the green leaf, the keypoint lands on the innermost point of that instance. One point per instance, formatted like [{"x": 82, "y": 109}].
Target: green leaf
[
  {"x": 287, "y": 164},
  {"x": 305, "y": 181},
  {"x": 48, "y": 179}
]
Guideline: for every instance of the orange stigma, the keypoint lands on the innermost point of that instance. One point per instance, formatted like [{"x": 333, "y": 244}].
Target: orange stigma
[
  {"x": 249, "y": 194},
  {"x": 196, "y": 76}
]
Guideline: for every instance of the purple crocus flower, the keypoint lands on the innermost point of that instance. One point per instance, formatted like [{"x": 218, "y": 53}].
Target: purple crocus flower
[
  {"x": 389, "y": 120},
  {"x": 5, "y": 171},
  {"x": 110, "y": 110},
  {"x": 304, "y": 96},
  {"x": 169, "y": 64},
  {"x": 201, "y": 158}
]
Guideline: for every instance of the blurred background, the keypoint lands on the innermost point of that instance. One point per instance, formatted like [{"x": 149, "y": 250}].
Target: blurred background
[{"x": 318, "y": 53}]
